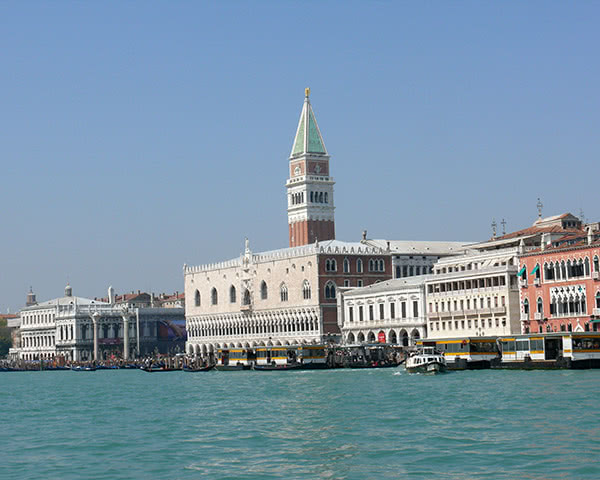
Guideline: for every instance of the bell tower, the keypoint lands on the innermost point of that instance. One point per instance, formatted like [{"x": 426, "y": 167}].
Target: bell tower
[{"x": 309, "y": 186}]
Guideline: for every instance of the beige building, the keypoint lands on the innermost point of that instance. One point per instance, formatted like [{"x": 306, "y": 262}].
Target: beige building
[
  {"x": 282, "y": 297},
  {"x": 475, "y": 294}
]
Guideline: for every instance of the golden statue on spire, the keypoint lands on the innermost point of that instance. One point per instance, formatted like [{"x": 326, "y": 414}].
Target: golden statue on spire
[{"x": 307, "y": 91}]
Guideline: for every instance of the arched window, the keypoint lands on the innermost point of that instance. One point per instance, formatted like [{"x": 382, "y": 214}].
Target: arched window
[
  {"x": 598, "y": 300},
  {"x": 526, "y": 307},
  {"x": 346, "y": 265},
  {"x": 371, "y": 265},
  {"x": 381, "y": 265},
  {"x": 330, "y": 290},
  {"x": 283, "y": 291},
  {"x": 306, "y": 293},
  {"x": 587, "y": 266},
  {"x": 320, "y": 197},
  {"x": 326, "y": 197},
  {"x": 312, "y": 197},
  {"x": 398, "y": 271},
  {"x": 214, "y": 296},
  {"x": 232, "y": 294},
  {"x": 540, "y": 306},
  {"x": 596, "y": 264},
  {"x": 246, "y": 299},
  {"x": 330, "y": 265},
  {"x": 197, "y": 298},
  {"x": 359, "y": 266},
  {"x": 263, "y": 290}
]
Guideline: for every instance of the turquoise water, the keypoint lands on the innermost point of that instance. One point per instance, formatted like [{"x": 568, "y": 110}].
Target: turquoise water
[{"x": 336, "y": 424}]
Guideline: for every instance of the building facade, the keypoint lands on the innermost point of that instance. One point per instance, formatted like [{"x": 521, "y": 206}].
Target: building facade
[
  {"x": 560, "y": 285},
  {"x": 282, "y": 297},
  {"x": 414, "y": 258},
  {"x": 476, "y": 294},
  {"x": 77, "y": 329},
  {"x": 387, "y": 312}
]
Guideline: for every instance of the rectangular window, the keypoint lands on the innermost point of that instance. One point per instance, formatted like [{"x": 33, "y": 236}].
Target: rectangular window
[
  {"x": 360, "y": 313},
  {"x": 403, "y": 309},
  {"x": 346, "y": 283},
  {"x": 393, "y": 310},
  {"x": 359, "y": 283},
  {"x": 381, "y": 314},
  {"x": 351, "y": 314},
  {"x": 415, "y": 309},
  {"x": 370, "y": 312}
]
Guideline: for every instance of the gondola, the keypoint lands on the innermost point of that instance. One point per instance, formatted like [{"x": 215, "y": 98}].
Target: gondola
[
  {"x": 277, "y": 368},
  {"x": 156, "y": 368},
  {"x": 198, "y": 369}
]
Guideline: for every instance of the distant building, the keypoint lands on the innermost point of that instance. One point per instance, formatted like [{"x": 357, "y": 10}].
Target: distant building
[
  {"x": 477, "y": 294},
  {"x": 560, "y": 284},
  {"x": 81, "y": 329},
  {"x": 281, "y": 297},
  {"x": 387, "y": 312},
  {"x": 413, "y": 258}
]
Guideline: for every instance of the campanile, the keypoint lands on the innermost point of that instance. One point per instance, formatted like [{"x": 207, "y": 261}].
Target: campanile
[{"x": 309, "y": 186}]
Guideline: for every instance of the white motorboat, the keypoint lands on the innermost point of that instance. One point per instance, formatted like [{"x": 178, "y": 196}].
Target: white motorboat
[{"x": 426, "y": 360}]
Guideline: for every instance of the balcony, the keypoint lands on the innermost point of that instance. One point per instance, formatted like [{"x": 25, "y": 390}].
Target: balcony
[
  {"x": 596, "y": 275},
  {"x": 537, "y": 316},
  {"x": 537, "y": 282},
  {"x": 499, "y": 310},
  {"x": 596, "y": 312},
  {"x": 524, "y": 317},
  {"x": 522, "y": 283}
]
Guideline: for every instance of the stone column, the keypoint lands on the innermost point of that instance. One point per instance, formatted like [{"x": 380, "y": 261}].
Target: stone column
[
  {"x": 95, "y": 318},
  {"x": 126, "y": 337}
]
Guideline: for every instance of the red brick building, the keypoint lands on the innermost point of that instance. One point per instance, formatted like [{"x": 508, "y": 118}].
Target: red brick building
[{"x": 560, "y": 285}]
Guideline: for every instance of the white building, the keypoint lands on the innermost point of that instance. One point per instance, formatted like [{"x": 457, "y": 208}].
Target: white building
[
  {"x": 387, "y": 312},
  {"x": 475, "y": 294},
  {"x": 413, "y": 258},
  {"x": 281, "y": 297},
  {"x": 81, "y": 329}
]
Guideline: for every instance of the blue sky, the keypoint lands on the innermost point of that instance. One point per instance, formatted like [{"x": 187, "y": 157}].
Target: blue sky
[{"x": 139, "y": 136}]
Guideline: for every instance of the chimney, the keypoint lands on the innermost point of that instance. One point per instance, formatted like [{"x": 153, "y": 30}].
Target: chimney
[{"x": 590, "y": 237}]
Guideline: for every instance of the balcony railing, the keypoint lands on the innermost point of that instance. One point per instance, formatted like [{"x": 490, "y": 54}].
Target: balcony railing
[
  {"x": 596, "y": 275},
  {"x": 536, "y": 281},
  {"x": 524, "y": 317},
  {"x": 537, "y": 316}
]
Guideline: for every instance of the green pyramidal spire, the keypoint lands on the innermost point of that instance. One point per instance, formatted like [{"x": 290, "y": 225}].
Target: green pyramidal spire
[{"x": 308, "y": 136}]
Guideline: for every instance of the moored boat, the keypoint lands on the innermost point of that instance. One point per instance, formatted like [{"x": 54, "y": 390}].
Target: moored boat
[
  {"x": 83, "y": 368},
  {"x": 159, "y": 368},
  {"x": 426, "y": 360},
  {"x": 198, "y": 369}
]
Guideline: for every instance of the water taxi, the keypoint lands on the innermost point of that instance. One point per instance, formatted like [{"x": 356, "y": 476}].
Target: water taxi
[
  {"x": 301, "y": 357},
  {"x": 234, "y": 359},
  {"x": 425, "y": 360},
  {"x": 465, "y": 352}
]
